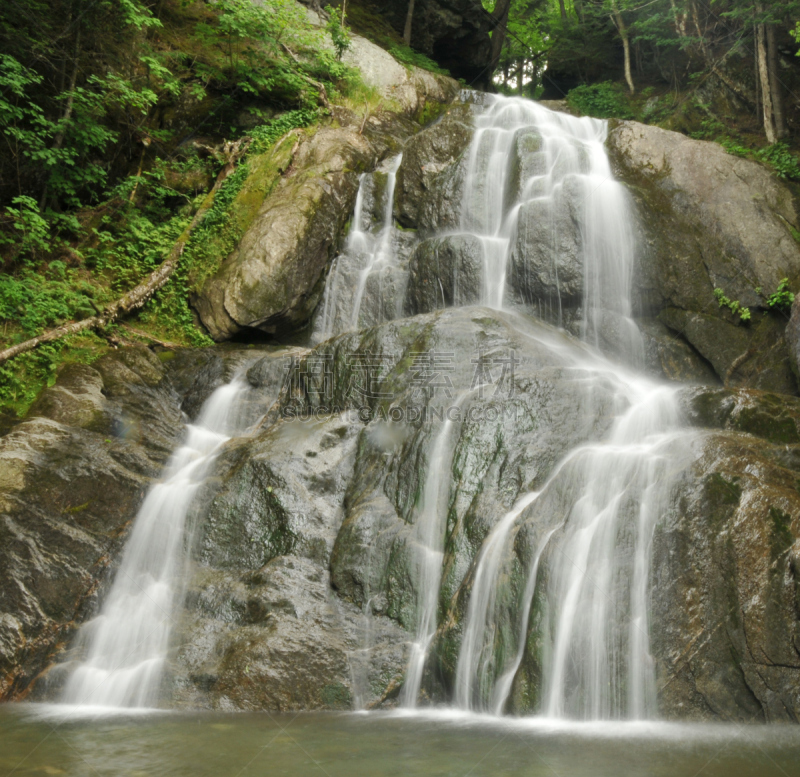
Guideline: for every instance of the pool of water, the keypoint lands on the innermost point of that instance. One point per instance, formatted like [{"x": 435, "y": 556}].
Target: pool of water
[{"x": 46, "y": 740}]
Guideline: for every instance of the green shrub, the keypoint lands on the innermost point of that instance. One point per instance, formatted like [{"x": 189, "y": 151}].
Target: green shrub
[
  {"x": 782, "y": 298},
  {"x": 781, "y": 160},
  {"x": 732, "y": 304},
  {"x": 603, "y": 101},
  {"x": 338, "y": 32}
]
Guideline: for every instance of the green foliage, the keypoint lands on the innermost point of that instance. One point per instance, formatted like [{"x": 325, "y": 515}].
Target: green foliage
[
  {"x": 338, "y": 32},
  {"x": 408, "y": 56},
  {"x": 781, "y": 160},
  {"x": 35, "y": 301},
  {"x": 733, "y": 305},
  {"x": 266, "y": 134},
  {"x": 603, "y": 101},
  {"x": 30, "y": 237},
  {"x": 782, "y": 298}
]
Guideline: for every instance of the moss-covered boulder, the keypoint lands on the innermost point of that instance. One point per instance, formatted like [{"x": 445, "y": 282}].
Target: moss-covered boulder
[{"x": 275, "y": 277}]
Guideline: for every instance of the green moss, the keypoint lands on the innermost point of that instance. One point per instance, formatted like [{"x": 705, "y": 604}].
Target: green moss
[
  {"x": 768, "y": 425},
  {"x": 720, "y": 496},
  {"x": 77, "y": 509},
  {"x": 781, "y": 523},
  {"x": 431, "y": 111},
  {"x": 336, "y": 696}
]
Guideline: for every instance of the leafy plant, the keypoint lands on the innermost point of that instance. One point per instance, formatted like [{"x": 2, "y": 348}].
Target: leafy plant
[
  {"x": 781, "y": 159},
  {"x": 338, "y": 32},
  {"x": 603, "y": 101},
  {"x": 733, "y": 305},
  {"x": 782, "y": 298}
]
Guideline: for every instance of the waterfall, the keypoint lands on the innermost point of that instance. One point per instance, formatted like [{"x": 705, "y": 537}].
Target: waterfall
[
  {"x": 126, "y": 644},
  {"x": 428, "y": 549},
  {"x": 593, "y": 603},
  {"x": 532, "y": 177},
  {"x": 368, "y": 263}
]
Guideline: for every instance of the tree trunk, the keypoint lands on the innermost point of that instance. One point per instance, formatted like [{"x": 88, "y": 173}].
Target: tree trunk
[
  {"x": 616, "y": 17},
  {"x": 68, "y": 108},
  {"x": 409, "y": 20},
  {"x": 766, "y": 90},
  {"x": 563, "y": 9},
  {"x": 500, "y": 19},
  {"x": 521, "y": 77},
  {"x": 775, "y": 84}
]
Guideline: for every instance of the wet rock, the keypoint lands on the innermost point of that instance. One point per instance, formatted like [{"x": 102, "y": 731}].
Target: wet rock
[
  {"x": 430, "y": 179},
  {"x": 792, "y": 335},
  {"x": 754, "y": 355},
  {"x": 526, "y": 162},
  {"x": 671, "y": 357},
  {"x": 72, "y": 476},
  {"x": 725, "y": 630},
  {"x": 546, "y": 260},
  {"x": 445, "y": 272},
  {"x": 263, "y": 627}
]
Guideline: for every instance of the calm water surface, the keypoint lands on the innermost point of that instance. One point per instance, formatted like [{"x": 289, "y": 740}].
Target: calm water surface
[{"x": 41, "y": 740}]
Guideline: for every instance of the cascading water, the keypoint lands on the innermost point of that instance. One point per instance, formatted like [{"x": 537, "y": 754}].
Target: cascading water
[
  {"x": 586, "y": 577},
  {"x": 603, "y": 500},
  {"x": 354, "y": 294},
  {"x": 595, "y": 644},
  {"x": 126, "y": 644}
]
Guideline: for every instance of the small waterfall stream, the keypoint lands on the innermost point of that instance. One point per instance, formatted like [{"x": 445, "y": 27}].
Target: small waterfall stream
[
  {"x": 354, "y": 293},
  {"x": 126, "y": 644}
]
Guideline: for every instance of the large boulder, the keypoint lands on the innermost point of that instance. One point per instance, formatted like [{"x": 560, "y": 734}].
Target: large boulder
[
  {"x": 430, "y": 179},
  {"x": 274, "y": 279},
  {"x": 710, "y": 220}
]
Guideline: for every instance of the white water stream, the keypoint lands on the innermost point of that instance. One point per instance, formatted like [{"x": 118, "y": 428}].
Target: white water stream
[{"x": 126, "y": 644}]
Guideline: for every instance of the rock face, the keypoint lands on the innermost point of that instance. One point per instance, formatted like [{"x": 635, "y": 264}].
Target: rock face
[
  {"x": 711, "y": 220},
  {"x": 274, "y": 279},
  {"x": 445, "y": 272},
  {"x": 73, "y": 476},
  {"x": 304, "y": 585},
  {"x": 431, "y": 176},
  {"x": 726, "y": 570},
  {"x": 304, "y": 554}
]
